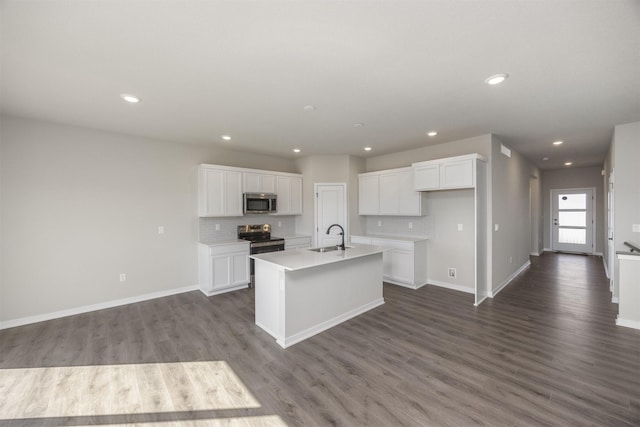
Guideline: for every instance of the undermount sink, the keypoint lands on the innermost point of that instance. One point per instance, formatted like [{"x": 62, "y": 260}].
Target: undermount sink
[{"x": 328, "y": 249}]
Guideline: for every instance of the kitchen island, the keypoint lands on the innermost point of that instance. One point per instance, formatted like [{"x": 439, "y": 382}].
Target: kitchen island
[{"x": 300, "y": 293}]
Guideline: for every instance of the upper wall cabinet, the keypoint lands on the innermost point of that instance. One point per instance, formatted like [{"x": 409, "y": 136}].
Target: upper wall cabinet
[
  {"x": 389, "y": 192},
  {"x": 219, "y": 191},
  {"x": 446, "y": 174},
  {"x": 255, "y": 182},
  {"x": 289, "y": 191}
]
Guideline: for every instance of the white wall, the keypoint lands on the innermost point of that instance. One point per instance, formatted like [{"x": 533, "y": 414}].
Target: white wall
[
  {"x": 559, "y": 179},
  {"x": 510, "y": 210},
  {"x": 478, "y": 144},
  {"x": 81, "y": 206}
]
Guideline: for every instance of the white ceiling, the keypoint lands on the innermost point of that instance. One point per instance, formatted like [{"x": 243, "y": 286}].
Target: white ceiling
[{"x": 402, "y": 68}]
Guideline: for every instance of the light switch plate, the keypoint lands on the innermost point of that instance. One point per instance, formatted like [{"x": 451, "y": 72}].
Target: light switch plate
[
  {"x": 496, "y": 227},
  {"x": 459, "y": 227},
  {"x": 636, "y": 228}
]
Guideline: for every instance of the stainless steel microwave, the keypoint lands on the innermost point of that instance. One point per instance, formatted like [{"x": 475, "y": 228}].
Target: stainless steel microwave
[{"x": 260, "y": 203}]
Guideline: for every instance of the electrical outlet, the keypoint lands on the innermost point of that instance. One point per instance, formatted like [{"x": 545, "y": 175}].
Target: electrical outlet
[
  {"x": 217, "y": 227},
  {"x": 379, "y": 223},
  {"x": 459, "y": 227},
  {"x": 451, "y": 273},
  {"x": 123, "y": 277},
  {"x": 410, "y": 225},
  {"x": 161, "y": 229},
  {"x": 510, "y": 260},
  {"x": 279, "y": 223},
  {"x": 496, "y": 227},
  {"x": 635, "y": 228}
]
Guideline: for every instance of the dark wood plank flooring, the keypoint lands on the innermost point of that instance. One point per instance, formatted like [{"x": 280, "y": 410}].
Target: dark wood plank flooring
[{"x": 545, "y": 351}]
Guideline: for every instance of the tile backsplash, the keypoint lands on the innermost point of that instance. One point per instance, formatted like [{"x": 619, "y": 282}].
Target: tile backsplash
[
  {"x": 399, "y": 225},
  {"x": 228, "y": 226}
]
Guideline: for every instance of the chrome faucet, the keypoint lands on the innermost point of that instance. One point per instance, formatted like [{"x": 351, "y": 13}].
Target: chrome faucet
[{"x": 341, "y": 246}]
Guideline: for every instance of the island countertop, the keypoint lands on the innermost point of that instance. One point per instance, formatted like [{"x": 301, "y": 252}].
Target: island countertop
[{"x": 301, "y": 258}]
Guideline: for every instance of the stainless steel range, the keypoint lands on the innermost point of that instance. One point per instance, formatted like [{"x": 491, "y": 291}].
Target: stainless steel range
[{"x": 261, "y": 241}]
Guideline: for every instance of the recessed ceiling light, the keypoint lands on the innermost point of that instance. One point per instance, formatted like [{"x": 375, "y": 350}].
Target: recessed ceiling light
[
  {"x": 557, "y": 142},
  {"x": 568, "y": 163},
  {"x": 367, "y": 148},
  {"x": 309, "y": 108},
  {"x": 496, "y": 79},
  {"x": 432, "y": 133},
  {"x": 545, "y": 158},
  {"x": 296, "y": 150},
  {"x": 226, "y": 137},
  {"x": 130, "y": 98}
]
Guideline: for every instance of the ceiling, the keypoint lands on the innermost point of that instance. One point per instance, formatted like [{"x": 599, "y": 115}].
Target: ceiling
[{"x": 399, "y": 68}]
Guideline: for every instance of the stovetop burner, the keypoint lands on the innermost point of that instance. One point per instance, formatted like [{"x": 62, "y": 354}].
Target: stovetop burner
[{"x": 257, "y": 233}]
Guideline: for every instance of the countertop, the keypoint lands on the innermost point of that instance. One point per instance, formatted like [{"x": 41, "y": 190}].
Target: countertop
[
  {"x": 299, "y": 259},
  {"x": 628, "y": 253},
  {"x": 225, "y": 242},
  {"x": 291, "y": 236},
  {"x": 399, "y": 238}
]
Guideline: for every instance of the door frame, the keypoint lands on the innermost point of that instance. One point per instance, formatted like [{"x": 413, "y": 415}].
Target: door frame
[
  {"x": 316, "y": 187},
  {"x": 611, "y": 252},
  {"x": 593, "y": 216}
]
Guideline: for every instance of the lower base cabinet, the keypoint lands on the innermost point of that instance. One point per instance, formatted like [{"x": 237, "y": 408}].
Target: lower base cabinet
[
  {"x": 404, "y": 261},
  {"x": 297, "y": 242},
  {"x": 223, "y": 268}
]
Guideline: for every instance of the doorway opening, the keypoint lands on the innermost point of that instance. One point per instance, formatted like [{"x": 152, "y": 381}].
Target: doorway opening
[{"x": 573, "y": 222}]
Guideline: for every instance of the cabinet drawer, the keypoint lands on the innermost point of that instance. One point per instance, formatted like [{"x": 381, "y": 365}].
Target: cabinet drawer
[{"x": 229, "y": 248}]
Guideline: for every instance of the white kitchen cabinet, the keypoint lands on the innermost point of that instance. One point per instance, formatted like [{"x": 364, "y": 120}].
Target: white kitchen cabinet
[
  {"x": 223, "y": 267},
  {"x": 404, "y": 261},
  {"x": 389, "y": 192},
  {"x": 368, "y": 194},
  {"x": 446, "y": 174},
  {"x": 289, "y": 191},
  {"x": 297, "y": 242},
  {"x": 219, "y": 191},
  {"x": 255, "y": 182}
]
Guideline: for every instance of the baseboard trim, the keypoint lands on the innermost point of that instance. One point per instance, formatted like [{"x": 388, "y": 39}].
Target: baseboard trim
[
  {"x": 93, "y": 307},
  {"x": 451, "y": 286},
  {"x": 504, "y": 284},
  {"x": 535, "y": 254},
  {"x": 628, "y": 323},
  {"x": 225, "y": 290},
  {"x": 285, "y": 342},
  {"x": 404, "y": 285}
]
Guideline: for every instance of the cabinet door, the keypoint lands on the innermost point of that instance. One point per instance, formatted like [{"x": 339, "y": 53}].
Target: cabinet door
[
  {"x": 457, "y": 174},
  {"x": 211, "y": 201},
  {"x": 389, "y": 194},
  {"x": 402, "y": 265},
  {"x": 397, "y": 196},
  {"x": 239, "y": 269},
  {"x": 368, "y": 195},
  {"x": 259, "y": 183},
  {"x": 409, "y": 200},
  {"x": 233, "y": 193},
  {"x": 220, "y": 272},
  {"x": 283, "y": 184},
  {"x": 426, "y": 177}
]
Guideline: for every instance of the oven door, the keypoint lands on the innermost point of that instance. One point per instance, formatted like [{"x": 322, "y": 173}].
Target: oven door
[{"x": 261, "y": 250}]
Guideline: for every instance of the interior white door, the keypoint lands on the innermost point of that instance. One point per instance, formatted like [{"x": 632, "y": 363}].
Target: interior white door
[
  {"x": 331, "y": 208},
  {"x": 572, "y": 220}
]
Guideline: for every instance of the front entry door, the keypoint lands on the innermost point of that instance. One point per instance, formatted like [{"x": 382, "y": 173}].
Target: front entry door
[
  {"x": 331, "y": 208},
  {"x": 572, "y": 220}
]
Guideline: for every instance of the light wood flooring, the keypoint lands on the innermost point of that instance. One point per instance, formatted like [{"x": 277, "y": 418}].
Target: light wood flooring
[{"x": 545, "y": 351}]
